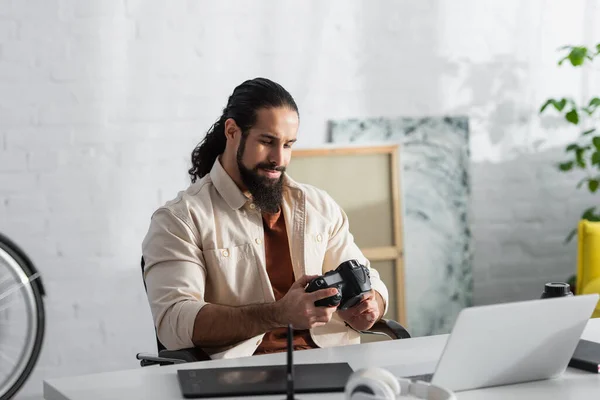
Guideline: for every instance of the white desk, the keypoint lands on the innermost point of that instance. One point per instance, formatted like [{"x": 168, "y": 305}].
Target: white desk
[{"x": 409, "y": 356}]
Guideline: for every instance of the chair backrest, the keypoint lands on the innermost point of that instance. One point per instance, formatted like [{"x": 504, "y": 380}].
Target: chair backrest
[
  {"x": 159, "y": 345},
  {"x": 588, "y": 260}
]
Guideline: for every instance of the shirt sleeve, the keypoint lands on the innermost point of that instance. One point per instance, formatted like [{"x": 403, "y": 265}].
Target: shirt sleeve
[
  {"x": 341, "y": 247},
  {"x": 175, "y": 277}
]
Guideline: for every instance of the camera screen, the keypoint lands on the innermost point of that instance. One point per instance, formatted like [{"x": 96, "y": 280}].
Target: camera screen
[{"x": 332, "y": 279}]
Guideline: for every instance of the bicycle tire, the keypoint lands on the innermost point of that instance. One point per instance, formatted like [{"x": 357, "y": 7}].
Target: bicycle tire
[{"x": 22, "y": 261}]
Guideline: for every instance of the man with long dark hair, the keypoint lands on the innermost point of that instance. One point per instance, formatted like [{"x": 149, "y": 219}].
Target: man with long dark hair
[{"x": 227, "y": 261}]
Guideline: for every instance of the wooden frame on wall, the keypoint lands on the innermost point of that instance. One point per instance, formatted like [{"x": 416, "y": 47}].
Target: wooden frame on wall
[{"x": 364, "y": 181}]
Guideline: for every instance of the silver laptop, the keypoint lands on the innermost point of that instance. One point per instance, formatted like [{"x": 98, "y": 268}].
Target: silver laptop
[{"x": 513, "y": 342}]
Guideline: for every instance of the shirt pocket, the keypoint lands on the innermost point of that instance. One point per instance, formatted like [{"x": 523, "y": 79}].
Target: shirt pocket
[
  {"x": 232, "y": 275},
  {"x": 316, "y": 246}
]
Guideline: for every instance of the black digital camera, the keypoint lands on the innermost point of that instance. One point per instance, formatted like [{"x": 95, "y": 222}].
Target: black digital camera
[{"x": 352, "y": 281}]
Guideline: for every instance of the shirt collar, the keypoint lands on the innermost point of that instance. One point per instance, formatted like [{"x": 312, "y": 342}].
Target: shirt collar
[{"x": 226, "y": 187}]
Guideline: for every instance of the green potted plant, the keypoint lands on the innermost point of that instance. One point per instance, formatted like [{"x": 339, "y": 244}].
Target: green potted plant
[{"x": 584, "y": 154}]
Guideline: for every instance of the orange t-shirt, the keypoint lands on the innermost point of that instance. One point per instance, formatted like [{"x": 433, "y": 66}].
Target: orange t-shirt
[{"x": 281, "y": 275}]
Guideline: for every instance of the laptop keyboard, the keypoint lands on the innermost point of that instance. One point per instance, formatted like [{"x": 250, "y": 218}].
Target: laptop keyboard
[{"x": 423, "y": 377}]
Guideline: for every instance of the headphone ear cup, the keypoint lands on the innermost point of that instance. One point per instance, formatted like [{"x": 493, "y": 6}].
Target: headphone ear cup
[
  {"x": 369, "y": 388},
  {"x": 383, "y": 375},
  {"x": 390, "y": 379},
  {"x": 374, "y": 383}
]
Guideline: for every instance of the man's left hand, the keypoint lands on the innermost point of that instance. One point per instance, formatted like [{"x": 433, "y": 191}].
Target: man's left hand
[{"x": 364, "y": 314}]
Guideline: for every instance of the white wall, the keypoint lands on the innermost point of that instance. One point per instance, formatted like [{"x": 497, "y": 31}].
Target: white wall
[{"x": 102, "y": 101}]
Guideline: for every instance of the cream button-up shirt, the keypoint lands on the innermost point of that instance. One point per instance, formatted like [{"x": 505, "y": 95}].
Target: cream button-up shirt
[{"x": 207, "y": 246}]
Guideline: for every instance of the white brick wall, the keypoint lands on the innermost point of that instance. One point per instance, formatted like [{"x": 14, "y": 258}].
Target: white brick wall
[
  {"x": 102, "y": 101},
  {"x": 522, "y": 212}
]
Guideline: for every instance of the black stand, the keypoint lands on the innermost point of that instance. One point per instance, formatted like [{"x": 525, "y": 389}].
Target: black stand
[{"x": 290, "y": 364}]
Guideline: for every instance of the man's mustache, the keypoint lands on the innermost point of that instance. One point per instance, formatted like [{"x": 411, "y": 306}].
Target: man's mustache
[{"x": 270, "y": 167}]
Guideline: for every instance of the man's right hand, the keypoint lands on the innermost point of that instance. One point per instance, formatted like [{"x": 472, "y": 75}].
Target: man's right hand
[{"x": 298, "y": 308}]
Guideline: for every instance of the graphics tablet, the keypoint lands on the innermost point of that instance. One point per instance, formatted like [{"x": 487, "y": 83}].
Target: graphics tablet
[{"x": 262, "y": 380}]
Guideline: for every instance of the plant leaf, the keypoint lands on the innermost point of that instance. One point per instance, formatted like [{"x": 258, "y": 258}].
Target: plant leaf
[
  {"x": 594, "y": 102},
  {"x": 566, "y": 166},
  {"x": 571, "y": 235},
  {"x": 593, "y": 185},
  {"x": 598, "y": 48},
  {"x": 588, "y": 132},
  {"x": 596, "y": 158},
  {"x": 571, "y": 147},
  {"x": 590, "y": 215},
  {"x": 577, "y": 55},
  {"x": 579, "y": 157},
  {"x": 572, "y": 116},
  {"x": 558, "y": 104},
  {"x": 560, "y": 62},
  {"x": 546, "y": 104},
  {"x": 596, "y": 142}
]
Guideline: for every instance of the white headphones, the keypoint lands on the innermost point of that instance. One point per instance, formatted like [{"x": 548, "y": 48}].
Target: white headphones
[{"x": 380, "y": 384}]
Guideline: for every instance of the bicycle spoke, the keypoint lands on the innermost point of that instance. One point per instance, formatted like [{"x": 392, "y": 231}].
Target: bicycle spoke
[
  {"x": 13, "y": 322},
  {"x": 4, "y": 375},
  {"x": 5, "y": 278},
  {"x": 10, "y": 349},
  {"x": 4, "y": 356},
  {"x": 7, "y": 305},
  {"x": 9, "y": 354},
  {"x": 19, "y": 285},
  {"x": 12, "y": 335}
]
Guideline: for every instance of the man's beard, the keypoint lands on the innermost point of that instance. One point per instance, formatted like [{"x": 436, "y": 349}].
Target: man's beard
[{"x": 267, "y": 193}]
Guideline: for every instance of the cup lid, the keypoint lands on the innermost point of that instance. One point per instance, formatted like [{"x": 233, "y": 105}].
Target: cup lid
[{"x": 557, "y": 288}]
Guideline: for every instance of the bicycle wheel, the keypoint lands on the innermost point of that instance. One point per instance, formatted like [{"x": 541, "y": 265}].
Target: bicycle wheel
[{"x": 22, "y": 319}]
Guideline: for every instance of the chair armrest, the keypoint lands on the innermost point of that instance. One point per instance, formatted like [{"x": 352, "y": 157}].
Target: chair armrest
[
  {"x": 170, "y": 357},
  {"x": 390, "y": 328},
  {"x": 147, "y": 359},
  {"x": 191, "y": 354}
]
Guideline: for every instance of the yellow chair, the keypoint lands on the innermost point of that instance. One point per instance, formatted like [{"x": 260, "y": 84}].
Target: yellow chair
[{"x": 588, "y": 260}]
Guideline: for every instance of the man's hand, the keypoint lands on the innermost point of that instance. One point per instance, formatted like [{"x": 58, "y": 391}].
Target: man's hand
[
  {"x": 298, "y": 307},
  {"x": 364, "y": 315}
]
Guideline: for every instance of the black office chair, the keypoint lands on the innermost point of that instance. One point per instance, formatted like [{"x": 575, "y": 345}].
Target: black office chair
[{"x": 386, "y": 327}]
